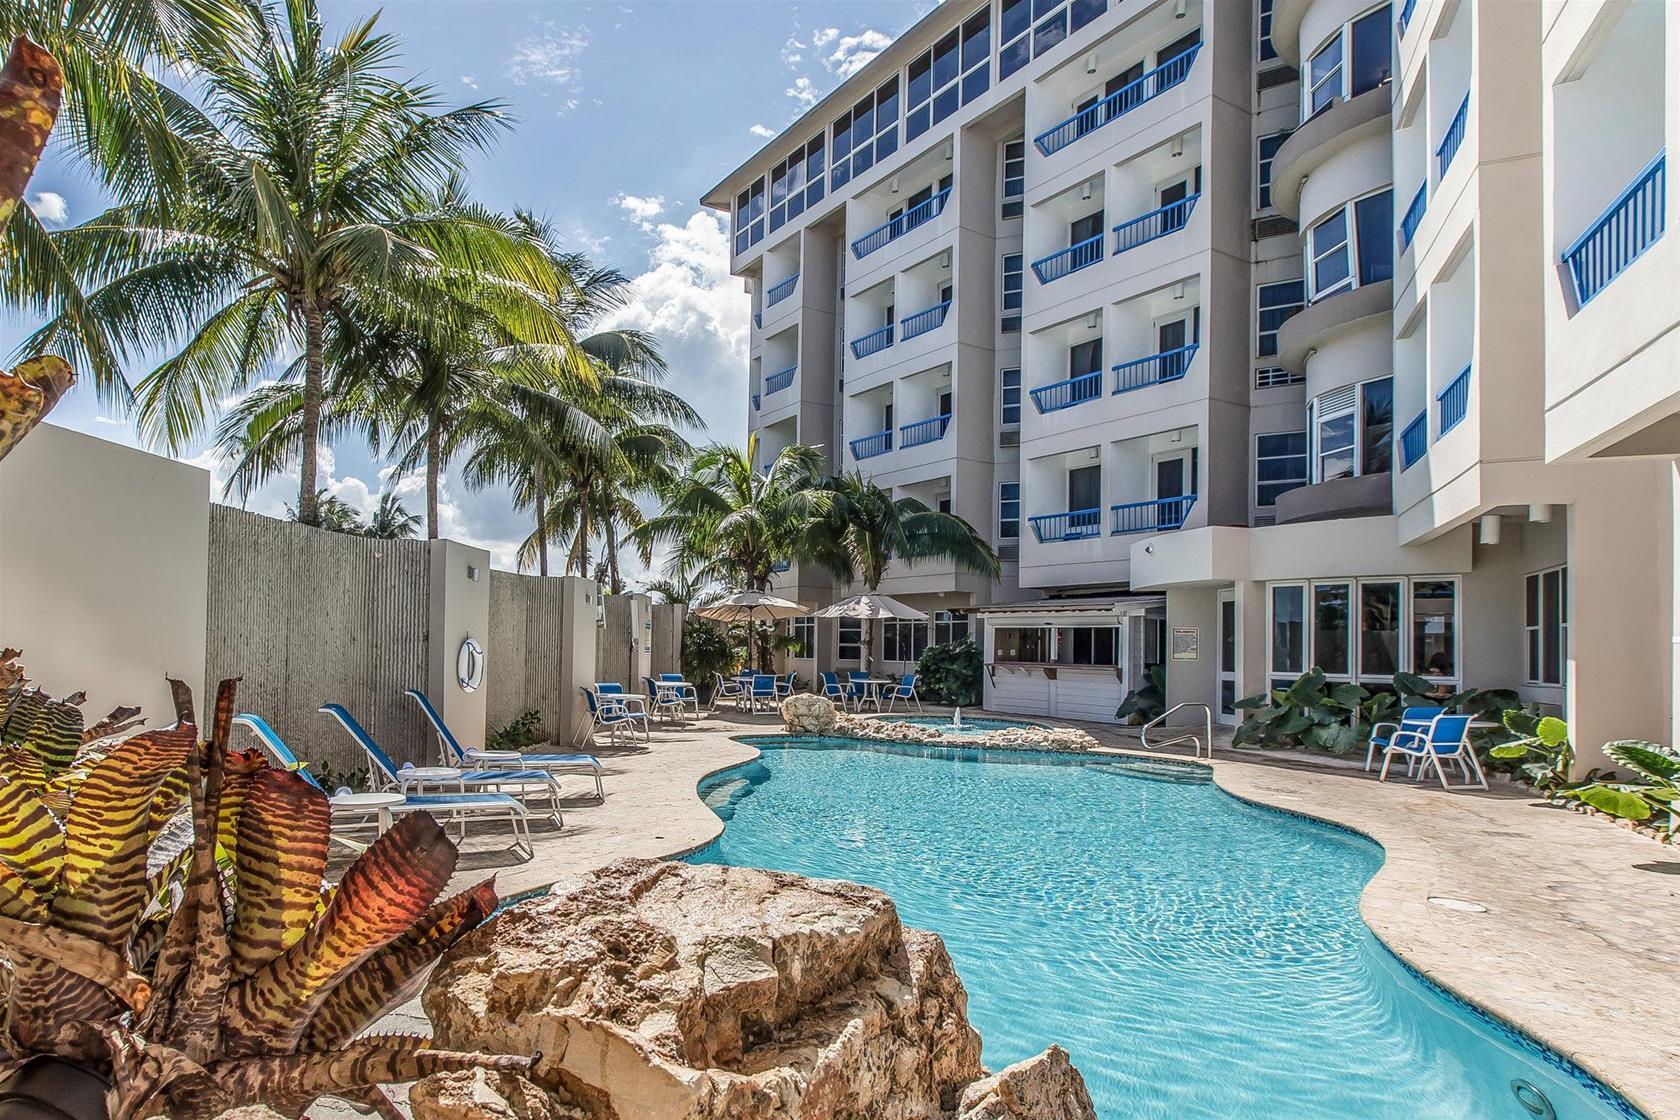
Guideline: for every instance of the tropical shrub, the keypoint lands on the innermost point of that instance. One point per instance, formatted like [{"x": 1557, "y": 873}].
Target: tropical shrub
[
  {"x": 1543, "y": 741},
  {"x": 354, "y": 778},
  {"x": 951, "y": 673},
  {"x": 1146, "y": 702},
  {"x": 706, "y": 649},
  {"x": 525, "y": 729},
  {"x": 1312, "y": 712},
  {"x": 1652, "y": 791},
  {"x": 1483, "y": 705}
]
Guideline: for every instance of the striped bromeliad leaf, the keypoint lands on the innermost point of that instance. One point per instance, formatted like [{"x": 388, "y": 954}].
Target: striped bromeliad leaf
[
  {"x": 279, "y": 862},
  {"x": 31, "y": 839}
]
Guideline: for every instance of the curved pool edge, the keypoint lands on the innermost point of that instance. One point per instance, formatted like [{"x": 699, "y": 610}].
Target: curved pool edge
[{"x": 1609, "y": 1087}]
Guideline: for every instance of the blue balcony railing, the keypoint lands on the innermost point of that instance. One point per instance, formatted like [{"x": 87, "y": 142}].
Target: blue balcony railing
[
  {"x": 1063, "y": 261},
  {"x": 1453, "y": 402},
  {"x": 1075, "y": 525},
  {"x": 781, "y": 291},
  {"x": 1453, "y": 138},
  {"x": 1065, "y": 394},
  {"x": 1153, "y": 516},
  {"x": 892, "y": 230},
  {"x": 867, "y": 447},
  {"x": 755, "y": 402},
  {"x": 1414, "y": 215},
  {"x": 923, "y": 431},
  {"x": 1414, "y": 441},
  {"x": 758, "y": 319},
  {"x": 1406, "y": 10},
  {"x": 1140, "y": 373},
  {"x": 1630, "y": 225},
  {"x": 779, "y": 380},
  {"x": 923, "y": 321},
  {"x": 873, "y": 342},
  {"x": 1170, "y": 218},
  {"x": 782, "y": 566},
  {"x": 1122, "y": 101}
]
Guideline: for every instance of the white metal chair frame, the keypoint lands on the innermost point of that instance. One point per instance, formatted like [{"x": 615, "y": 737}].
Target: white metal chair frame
[
  {"x": 725, "y": 688},
  {"x": 1423, "y": 747}
]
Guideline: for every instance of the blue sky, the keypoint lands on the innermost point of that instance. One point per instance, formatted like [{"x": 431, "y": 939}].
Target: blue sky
[{"x": 627, "y": 113}]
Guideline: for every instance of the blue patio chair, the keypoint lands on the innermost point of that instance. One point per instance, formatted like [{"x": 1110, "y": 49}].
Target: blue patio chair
[
  {"x": 609, "y": 708},
  {"x": 858, "y": 690},
  {"x": 1447, "y": 739},
  {"x": 689, "y": 694},
  {"x": 763, "y": 691},
  {"x": 905, "y": 690},
  {"x": 667, "y": 703},
  {"x": 832, "y": 688},
  {"x": 726, "y": 688},
  {"x": 1411, "y": 719},
  {"x": 788, "y": 685},
  {"x": 453, "y": 753}
]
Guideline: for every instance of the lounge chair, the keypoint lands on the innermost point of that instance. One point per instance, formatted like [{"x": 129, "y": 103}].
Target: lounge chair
[
  {"x": 833, "y": 689},
  {"x": 905, "y": 690},
  {"x": 387, "y": 775},
  {"x": 1411, "y": 719},
  {"x": 688, "y": 693},
  {"x": 451, "y": 753},
  {"x": 616, "y": 712},
  {"x": 667, "y": 704},
  {"x": 764, "y": 691},
  {"x": 1447, "y": 739},
  {"x": 726, "y": 688},
  {"x": 350, "y": 816}
]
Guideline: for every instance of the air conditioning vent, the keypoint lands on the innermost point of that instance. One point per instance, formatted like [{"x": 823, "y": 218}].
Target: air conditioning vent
[
  {"x": 1261, "y": 519},
  {"x": 1273, "y": 225},
  {"x": 1009, "y": 550},
  {"x": 1009, "y": 437},
  {"x": 1275, "y": 76}
]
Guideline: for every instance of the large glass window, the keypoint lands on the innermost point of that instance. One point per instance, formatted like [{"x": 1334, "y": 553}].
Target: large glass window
[
  {"x": 1275, "y": 304},
  {"x": 1289, "y": 645},
  {"x": 954, "y": 72},
  {"x": 849, "y": 641},
  {"x": 1009, "y": 510},
  {"x": 1358, "y": 58},
  {"x": 1280, "y": 465},
  {"x": 1435, "y": 628},
  {"x": 1351, "y": 246},
  {"x": 1333, "y": 628},
  {"x": 1379, "y": 629},
  {"x": 1009, "y": 397},
  {"x": 1329, "y": 258},
  {"x": 1353, "y": 430},
  {"x": 1014, "y": 177},
  {"x": 1374, "y": 219},
  {"x": 1366, "y": 630},
  {"x": 1546, "y": 621},
  {"x": 1324, "y": 76},
  {"x": 1089, "y": 645},
  {"x": 1269, "y": 146},
  {"x": 749, "y": 217},
  {"x": 1014, "y": 270},
  {"x": 1376, "y": 426},
  {"x": 796, "y": 182},
  {"x": 1028, "y": 28},
  {"x": 903, "y": 640},
  {"x": 866, "y": 134},
  {"x": 1336, "y": 433},
  {"x": 949, "y": 626},
  {"x": 1020, "y": 643},
  {"x": 1264, "y": 22},
  {"x": 803, "y": 631}
]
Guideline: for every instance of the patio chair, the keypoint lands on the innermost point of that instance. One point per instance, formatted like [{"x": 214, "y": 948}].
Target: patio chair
[
  {"x": 1411, "y": 719},
  {"x": 905, "y": 690},
  {"x": 451, "y": 753},
  {"x": 616, "y": 712},
  {"x": 787, "y": 686},
  {"x": 832, "y": 688},
  {"x": 387, "y": 775},
  {"x": 725, "y": 688},
  {"x": 764, "y": 691},
  {"x": 349, "y": 816},
  {"x": 858, "y": 689},
  {"x": 1447, "y": 739},
  {"x": 689, "y": 694},
  {"x": 667, "y": 704}
]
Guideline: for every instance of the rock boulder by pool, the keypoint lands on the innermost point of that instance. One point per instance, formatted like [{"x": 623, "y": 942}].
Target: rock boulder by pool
[
  {"x": 817, "y": 715},
  {"x": 668, "y": 991}
]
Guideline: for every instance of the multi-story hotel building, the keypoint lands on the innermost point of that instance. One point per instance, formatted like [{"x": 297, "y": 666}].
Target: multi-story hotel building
[{"x": 1255, "y": 336}]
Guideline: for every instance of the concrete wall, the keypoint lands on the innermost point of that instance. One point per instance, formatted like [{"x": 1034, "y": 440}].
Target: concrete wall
[
  {"x": 541, "y": 647},
  {"x": 102, "y": 569},
  {"x": 667, "y": 637}
]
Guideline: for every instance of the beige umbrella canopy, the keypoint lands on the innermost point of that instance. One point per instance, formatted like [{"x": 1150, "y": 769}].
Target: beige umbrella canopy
[
  {"x": 869, "y": 606},
  {"x": 750, "y": 607}
]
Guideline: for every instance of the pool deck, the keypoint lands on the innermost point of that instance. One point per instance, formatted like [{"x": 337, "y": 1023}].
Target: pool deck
[{"x": 1578, "y": 944}]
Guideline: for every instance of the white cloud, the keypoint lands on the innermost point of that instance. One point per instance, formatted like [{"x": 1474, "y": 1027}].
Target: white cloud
[
  {"x": 793, "y": 52},
  {"x": 469, "y": 81},
  {"x": 642, "y": 211},
  {"x": 852, "y": 52},
  {"x": 50, "y": 207},
  {"x": 763, "y": 132},
  {"x": 803, "y": 93},
  {"x": 551, "y": 59}
]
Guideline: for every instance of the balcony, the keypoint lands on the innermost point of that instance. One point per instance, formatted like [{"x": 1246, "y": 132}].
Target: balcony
[
  {"x": 758, "y": 319},
  {"x": 1630, "y": 225},
  {"x": 755, "y": 400},
  {"x": 782, "y": 379},
  {"x": 1157, "y": 223},
  {"x": 867, "y": 447},
  {"x": 1155, "y": 515},
  {"x": 922, "y": 321},
  {"x": 873, "y": 342},
  {"x": 1075, "y": 257},
  {"x": 781, "y": 291},
  {"x": 1117, "y": 104},
  {"x": 1453, "y": 402},
  {"x": 1065, "y": 394},
  {"x": 1075, "y": 525},
  {"x": 1140, "y": 373},
  {"x": 1414, "y": 441},
  {"x": 782, "y": 567},
  {"x": 892, "y": 230},
  {"x": 1414, "y": 215},
  {"x": 1454, "y": 137},
  {"x": 923, "y": 431},
  {"x": 1406, "y": 10}
]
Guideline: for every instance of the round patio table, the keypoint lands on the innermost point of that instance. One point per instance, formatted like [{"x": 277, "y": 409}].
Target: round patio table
[{"x": 379, "y": 804}]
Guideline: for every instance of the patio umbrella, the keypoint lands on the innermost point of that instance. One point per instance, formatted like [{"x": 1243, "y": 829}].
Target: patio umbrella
[
  {"x": 750, "y": 607},
  {"x": 868, "y": 607}
]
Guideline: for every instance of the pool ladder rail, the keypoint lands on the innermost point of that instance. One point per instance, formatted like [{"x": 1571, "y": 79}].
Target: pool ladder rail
[{"x": 1201, "y": 744}]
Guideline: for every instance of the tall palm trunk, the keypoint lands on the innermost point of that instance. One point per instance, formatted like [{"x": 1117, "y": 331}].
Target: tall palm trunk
[
  {"x": 542, "y": 522},
  {"x": 314, "y": 366},
  {"x": 610, "y": 531},
  {"x": 434, "y": 468}
]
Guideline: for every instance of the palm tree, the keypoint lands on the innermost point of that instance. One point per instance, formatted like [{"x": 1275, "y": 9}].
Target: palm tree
[
  {"x": 334, "y": 514},
  {"x": 390, "y": 520}
]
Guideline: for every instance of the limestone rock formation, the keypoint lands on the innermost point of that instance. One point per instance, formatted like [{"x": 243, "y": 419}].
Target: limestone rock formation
[
  {"x": 1046, "y": 1087},
  {"x": 664, "y": 991},
  {"x": 806, "y": 714},
  {"x": 1031, "y": 737}
]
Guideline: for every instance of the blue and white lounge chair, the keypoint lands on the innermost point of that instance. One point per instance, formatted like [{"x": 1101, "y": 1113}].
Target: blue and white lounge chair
[
  {"x": 387, "y": 775},
  {"x": 615, "y": 712},
  {"x": 726, "y": 688},
  {"x": 348, "y": 816},
  {"x": 452, "y": 753},
  {"x": 833, "y": 689},
  {"x": 905, "y": 690},
  {"x": 1411, "y": 719},
  {"x": 1446, "y": 739}
]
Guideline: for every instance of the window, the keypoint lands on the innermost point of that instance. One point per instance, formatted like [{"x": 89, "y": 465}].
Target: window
[
  {"x": 1280, "y": 465},
  {"x": 1435, "y": 628},
  {"x": 1353, "y": 430},
  {"x": 1333, "y": 628},
  {"x": 1328, "y": 256},
  {"x": 1013, "y": 277},
  {"x": 1272, "y": 377},
  {"x": 953, "y": 73},
  {"x": 1376, "y": 426},
  {"x": 1269, "y": 146},
  {"x": 1009, "y": 397},
  {"x": 1089, "y": 645},
  {"x": 1275, "y": 303},
  {"x": 1009, "y": 510},
  {"x": 865, "y": 135},
  {"x": 1365, "y": 46},
  {"x": 1014, "y": 177},
  {"x": 796, "y": 182},
  {"x": 1020, "y": 643},
  {"x": 749, "y": 217},
  {"x": 1366, "y": 629},
  {"x": 803, "y": 631},
  {"x": 1289, "y": 646},
  {"x": 1352, "y": 245},
  {"x": 850, "y": 640},
  {"x": 1324, "y": 76},
  {"x": 1546, "y": 620},
  {"x": 903, "y": 640},
  {"x": 1379, "y": 629},
  {"x": 1374, "y": 221},
  {"x": 1028, "y": 28},
  {"x": 1267, "y": 50},
  {"x": 949, "y": 626}
]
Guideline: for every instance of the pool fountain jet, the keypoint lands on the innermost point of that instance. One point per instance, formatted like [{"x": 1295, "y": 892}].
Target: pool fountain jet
[{"x": 956, "y": 719}]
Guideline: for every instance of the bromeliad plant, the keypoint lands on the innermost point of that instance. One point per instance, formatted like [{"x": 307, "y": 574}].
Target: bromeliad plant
[{"x": 229, "y": 973}]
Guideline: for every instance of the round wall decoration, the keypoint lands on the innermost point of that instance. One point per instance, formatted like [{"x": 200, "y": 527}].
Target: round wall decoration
[{"x": 469, "y": 666}]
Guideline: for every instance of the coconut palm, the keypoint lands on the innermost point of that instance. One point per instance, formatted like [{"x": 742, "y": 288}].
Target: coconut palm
[{"x": 390, "y": 519}]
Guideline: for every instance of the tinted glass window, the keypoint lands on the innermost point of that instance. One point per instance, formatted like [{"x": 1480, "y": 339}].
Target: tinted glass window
[
  {"x": 1375, "y": 218},
  {"x": 1372, "y": 50}
]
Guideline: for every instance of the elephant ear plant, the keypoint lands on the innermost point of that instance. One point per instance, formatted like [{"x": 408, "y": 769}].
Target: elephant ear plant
[
  {"x": 1313, "y": 712},
  {"x": 217, "y": 970}
]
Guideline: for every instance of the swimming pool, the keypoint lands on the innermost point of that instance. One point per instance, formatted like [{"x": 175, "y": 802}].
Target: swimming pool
[{"x": 1200, "y": 957}]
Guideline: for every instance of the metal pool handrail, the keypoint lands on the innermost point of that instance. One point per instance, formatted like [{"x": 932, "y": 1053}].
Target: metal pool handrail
[{"x": 1207, "y": 719}]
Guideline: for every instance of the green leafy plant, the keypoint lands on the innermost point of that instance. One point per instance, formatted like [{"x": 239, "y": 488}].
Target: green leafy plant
[
  {"x": 525, "y": 729},
  {"x": 1311, "y": 712},
  {"x": 1484, "y": 705},
  {"x": 1542, "y": 743},
  {"x": 706, "y": 649},
  {"x": 951, "y": 673},
  {"x": 1653, "y": 790},
  {"x": 332, "y": 779},
  {"x": 1146, "y": 702}
]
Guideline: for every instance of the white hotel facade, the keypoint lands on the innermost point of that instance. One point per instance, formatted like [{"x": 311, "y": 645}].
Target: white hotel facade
[{"x": 1254, "y": 336}]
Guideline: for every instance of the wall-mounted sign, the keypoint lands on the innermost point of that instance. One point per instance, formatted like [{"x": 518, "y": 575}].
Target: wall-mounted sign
[
  {"x": 469, "y": 666},
  {"x": 1186, "y": 643}
]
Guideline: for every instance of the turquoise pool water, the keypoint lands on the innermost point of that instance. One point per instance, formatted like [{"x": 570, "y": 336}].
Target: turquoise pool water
[
  {"x": 970, "y": 723},
  {"x": 1200, "y": 957}
]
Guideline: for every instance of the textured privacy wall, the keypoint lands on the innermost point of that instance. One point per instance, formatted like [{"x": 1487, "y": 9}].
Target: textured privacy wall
[
  {"x": 309, "y": 617},
  {"x": 667, "y": 638},
  {"x": 527, "y": 628}
]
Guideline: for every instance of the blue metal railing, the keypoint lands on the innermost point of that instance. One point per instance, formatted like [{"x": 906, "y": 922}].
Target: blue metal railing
[
  {"x": 1454, "y": 137},
  {"x": 1414, "y": 441},
  {"x": 1063, "y": 261},
  {"x": 901, "y": 225},
  {"x": 1414, "y": 215},
  {"x": 758, "y": 319},
  {"x": 779, "y": 380},
  {"x": 781, "y": 291},
  {"x": 1629, "y": 225},
  {"x": 1121, "y": 101},
  {"x": 1453, "y": 402},
  {"x": 867, "y": 447},
  {"x": 1075, "y": 525},
  {"x": 1140, "y": 373},
  {"x": 1066, "y": 394},
  {"x": 1170, "y": 218},
  {"x": 873, "y": 342},
  {"x": 755, "y": 402},
  {"x": 1152, "y": 516},
  {"x": 923, "y": 321},
  {"x": 782, "y": 566},
  {"x": 923, "y": 431},
  {"x": 1406, "y": 15}
]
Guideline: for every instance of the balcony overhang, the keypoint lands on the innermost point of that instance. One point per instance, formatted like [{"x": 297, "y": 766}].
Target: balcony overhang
[
  {"x": 1286, "y": 28},
  {"x": 1342, "y": 125},
  {"x": 1314, "y": 325},
  {"x": 1365, "y": 495}
]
